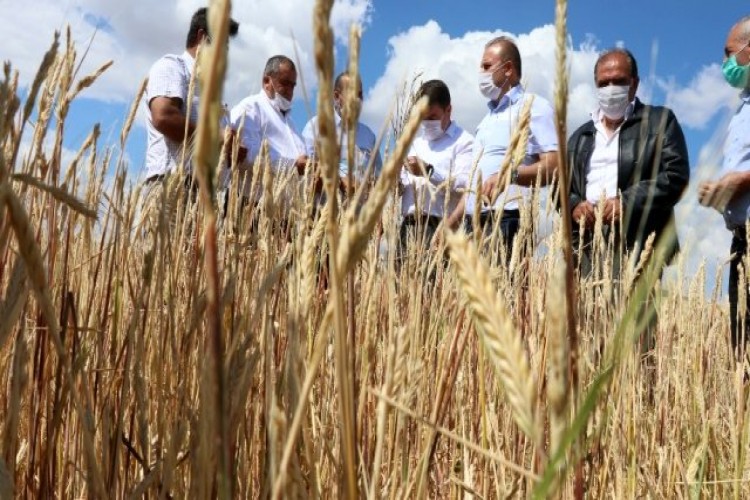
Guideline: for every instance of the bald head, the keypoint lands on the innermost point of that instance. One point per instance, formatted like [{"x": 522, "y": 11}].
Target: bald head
[
  {"x": 737, "y": 41},
  {"x": 743, "y": 28},
  {"x": 506, "y": 50}
]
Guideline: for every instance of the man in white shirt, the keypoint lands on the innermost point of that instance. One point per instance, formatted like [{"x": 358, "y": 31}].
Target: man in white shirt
[
  {"x": 365, "y": 151},
  {"x": 169, "y": 123},
  {"x": 436, "y": 170},
  {"x": 500, "y": 82},
  {"x": 266, "y": 116}
]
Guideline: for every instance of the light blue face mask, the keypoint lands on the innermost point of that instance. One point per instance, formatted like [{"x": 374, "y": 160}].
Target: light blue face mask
[{"x": 734, "y": 74}]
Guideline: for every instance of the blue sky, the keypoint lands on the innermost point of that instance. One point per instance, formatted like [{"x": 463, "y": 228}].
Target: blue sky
[{"x": 679, "y": 46}]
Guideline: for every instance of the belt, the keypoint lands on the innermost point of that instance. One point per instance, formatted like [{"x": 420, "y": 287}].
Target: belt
[
  {"x": 155, "y": 178},
  {"x": 413, "y": 220},
  {"x": 507, "y": 214}
]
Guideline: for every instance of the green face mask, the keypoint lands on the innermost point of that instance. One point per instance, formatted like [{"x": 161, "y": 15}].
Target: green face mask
[{"x": 734, "y": 74}]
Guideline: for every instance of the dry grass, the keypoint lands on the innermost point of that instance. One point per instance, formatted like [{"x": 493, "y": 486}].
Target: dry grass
[{"x": 219, "y": 363}]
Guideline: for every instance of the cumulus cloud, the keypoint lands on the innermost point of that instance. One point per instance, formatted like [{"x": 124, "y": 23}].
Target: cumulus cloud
[
  {"x": 134, "y": 34},
  {"x": 428, "y": 51},
  {"x": 700, "y": 100}
]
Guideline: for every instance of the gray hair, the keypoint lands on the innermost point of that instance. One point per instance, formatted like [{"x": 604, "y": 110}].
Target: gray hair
[
  {"x": 509, "y": 50},
  {"x": 273, "y": 65},
  {"x": 744, "y": 25}
]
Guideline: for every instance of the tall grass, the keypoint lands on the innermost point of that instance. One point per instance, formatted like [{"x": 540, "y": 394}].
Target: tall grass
[{"x": 220, "y": 362}]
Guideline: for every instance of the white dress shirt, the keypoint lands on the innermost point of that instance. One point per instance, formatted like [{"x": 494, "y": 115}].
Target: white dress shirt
[
  {"x": 263, "y": 121},
  {"x": 451, "y": 156},
  {"x": 601, "y": 173},
  {"x": 169, "y": 77}
]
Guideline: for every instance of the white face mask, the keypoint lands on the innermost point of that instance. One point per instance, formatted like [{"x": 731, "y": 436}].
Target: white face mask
[
  {"x": 487, "y": 86},
  {"x": 613, "y": 100},
  {"x": 282, "y": 103},
  {"x": 432, "y": 129}
]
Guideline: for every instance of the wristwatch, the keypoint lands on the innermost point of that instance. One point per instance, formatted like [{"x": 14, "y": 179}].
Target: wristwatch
[{"x": 514, "y": 176}]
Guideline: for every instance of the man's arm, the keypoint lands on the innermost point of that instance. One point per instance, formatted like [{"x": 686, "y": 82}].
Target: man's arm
[
  {"x": 544, "y": 170},
  {"x": 717, "y": 194},
  {"x": 231, "y": 139},
  {"x": 247, "y": 117},
  {"x": 673, "y": 172},
  {"x": 168, "y": 118}
]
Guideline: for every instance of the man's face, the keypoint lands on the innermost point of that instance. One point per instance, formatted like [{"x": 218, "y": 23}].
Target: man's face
[
  {"x": 339, "y": 95},
  {"x": 283, "y": 82},
  {"x": 492, "y": 61},
  {"x": 615, "y": 70},
  {"x": 437, "y": 112},
  {"x": 736, "y": 46}
]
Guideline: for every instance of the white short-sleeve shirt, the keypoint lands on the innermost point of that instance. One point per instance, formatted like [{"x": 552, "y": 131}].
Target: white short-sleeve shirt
[{"x": 169, "y": 77}]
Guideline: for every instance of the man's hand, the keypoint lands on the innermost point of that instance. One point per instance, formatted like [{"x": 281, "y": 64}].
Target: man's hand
[
  {"x": 415, "y": 166},
  {"x": 230, "y": 137},
  {"x": 716, "y": 194},
  {"x": 612, "y": 211},
  {"x": 492, "y": 186},
  {"x": 586, "y": 211},
  {"x": 301, "y": 164},
  {"x": 455, "y": 218}
]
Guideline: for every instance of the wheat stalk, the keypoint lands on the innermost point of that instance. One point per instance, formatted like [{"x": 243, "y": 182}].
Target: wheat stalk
[{"x": 497, "y": 332}]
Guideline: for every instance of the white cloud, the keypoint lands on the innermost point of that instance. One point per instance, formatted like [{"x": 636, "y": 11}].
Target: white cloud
[
  {"x": 698, "y": 102},
  {"x": 428, "y": 50},
  {"x": 134, "y": 34}
]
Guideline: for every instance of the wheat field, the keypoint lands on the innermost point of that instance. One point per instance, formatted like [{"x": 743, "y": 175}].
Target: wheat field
[{"x": 278, "y": 351}]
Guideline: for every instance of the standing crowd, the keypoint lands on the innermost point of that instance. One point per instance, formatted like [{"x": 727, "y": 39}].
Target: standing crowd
[{"x": 628, "y": 163}]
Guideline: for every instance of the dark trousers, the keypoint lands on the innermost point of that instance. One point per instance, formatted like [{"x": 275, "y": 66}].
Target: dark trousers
[
  {"x": 421, "y": 229},
  {"x": 738, "y": 326},
  {"x": 510, "y": 223}
]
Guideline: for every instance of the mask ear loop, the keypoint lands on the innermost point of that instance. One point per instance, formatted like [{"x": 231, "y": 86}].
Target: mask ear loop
[{"x": 740, "y": 50}]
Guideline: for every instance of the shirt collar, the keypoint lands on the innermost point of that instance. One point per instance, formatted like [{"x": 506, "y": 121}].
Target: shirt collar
[
  {"x": 512, "y": 96},
  {"x": 189, "y": 59},
  {"x": 452, "y": 130}
]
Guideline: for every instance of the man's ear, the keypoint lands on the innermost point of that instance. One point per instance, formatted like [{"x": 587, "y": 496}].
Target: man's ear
[{"x": 634, "y": 87}]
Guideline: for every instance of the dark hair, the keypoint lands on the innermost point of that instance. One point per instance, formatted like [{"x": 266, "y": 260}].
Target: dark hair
[
  {"x": 509, "y": 51},
  {"x": 338, "y": 83},
  {"x": 619, "y": 50},
  {"x": 437, "y": 93},
  {"x": 199, "y": 22},
  {"x": 273, "y": 65}
]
